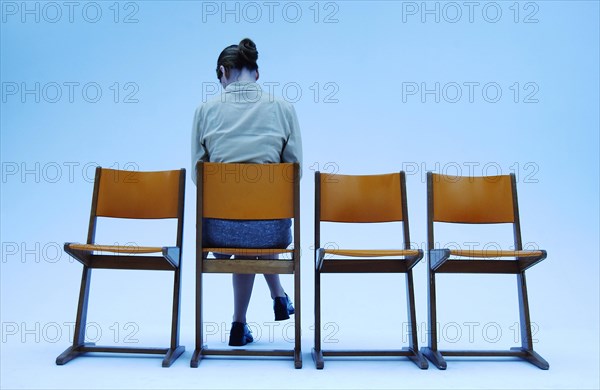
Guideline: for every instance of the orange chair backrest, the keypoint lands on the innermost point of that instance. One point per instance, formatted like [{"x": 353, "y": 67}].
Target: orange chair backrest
[
  {"x": 462, "y": 199},
  {"x": 140, "y": 195},
  {"x": 368, "y": 198},
  {"x": 248, "y": 191}
]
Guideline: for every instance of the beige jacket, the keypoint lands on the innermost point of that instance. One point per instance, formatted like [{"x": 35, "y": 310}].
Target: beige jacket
[{"x": 245, "y": 124}]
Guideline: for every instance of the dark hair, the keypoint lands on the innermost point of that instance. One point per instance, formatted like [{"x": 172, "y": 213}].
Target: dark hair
[{"x": 242, "y": 55}]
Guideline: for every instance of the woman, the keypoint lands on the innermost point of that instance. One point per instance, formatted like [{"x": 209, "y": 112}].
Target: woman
[{"x": 246, "y": 125}]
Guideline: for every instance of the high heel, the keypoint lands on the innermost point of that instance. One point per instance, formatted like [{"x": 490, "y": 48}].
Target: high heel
[
  {"x": 240, "y": 334},
  {"x": 282, "y": 306}
]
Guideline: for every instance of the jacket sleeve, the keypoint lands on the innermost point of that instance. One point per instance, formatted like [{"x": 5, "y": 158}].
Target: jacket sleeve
[
  {"x": 292, "y": 150},
  {"x": 199, "y": 152}
]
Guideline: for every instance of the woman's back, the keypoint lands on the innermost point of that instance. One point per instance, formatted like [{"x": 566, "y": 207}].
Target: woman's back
[{"x": 246, "y": 124}]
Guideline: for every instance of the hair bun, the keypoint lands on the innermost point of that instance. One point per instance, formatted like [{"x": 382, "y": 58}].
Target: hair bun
[{"x": 247, "y": 54}]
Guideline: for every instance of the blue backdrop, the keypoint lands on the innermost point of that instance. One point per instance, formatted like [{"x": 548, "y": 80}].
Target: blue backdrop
[{"x": 467, "y": 88}]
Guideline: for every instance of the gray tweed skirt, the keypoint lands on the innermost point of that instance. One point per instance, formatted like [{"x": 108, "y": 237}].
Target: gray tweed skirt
[{"x": 218, "y": 233}]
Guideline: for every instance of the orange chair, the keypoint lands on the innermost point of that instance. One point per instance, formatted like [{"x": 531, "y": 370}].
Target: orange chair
[
  {"x": 131, "y": 195},
  {"x": 364, "y": 199},
  {"x": 478, "y": 200},
  {"x": 248, "y": 192}
]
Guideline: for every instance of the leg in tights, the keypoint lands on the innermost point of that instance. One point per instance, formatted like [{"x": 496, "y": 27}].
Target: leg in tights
[{"x": 242, "y": 290}]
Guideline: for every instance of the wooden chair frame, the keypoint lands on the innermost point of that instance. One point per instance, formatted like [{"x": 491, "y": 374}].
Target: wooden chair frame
[
  {"x": 440, "y": 261},
  {"x": 281, "y": 266},
  {"x": 365, "y": 263},
  {"x": 169, "y": 260}
]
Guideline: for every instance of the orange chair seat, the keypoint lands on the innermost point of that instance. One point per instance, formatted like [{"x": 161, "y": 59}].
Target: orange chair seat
[
  {"x": 493, "y": 253},
  {"x": 116, "y": 248},
  {"x": 372, "y": 252}
]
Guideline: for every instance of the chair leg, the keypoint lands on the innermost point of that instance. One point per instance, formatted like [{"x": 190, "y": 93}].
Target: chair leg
[
  {"x": 175, "y": 350},
  {"x": 297, "y": 358},
  {"x": 416, "y": 356},
  {"x": 172, "y": 355},
  {"x": 71, "y": 353},
  {"x": 526, "y": 336},
  {"x": 317, "y": 357},
  {"x": 434, "y": 357},
  {"x": 80, "y": 322},
  {"x": 533, "y": 358},
  {"x": 431, "y": 351},
  {"x": 297, "y": 320},
  {"x": 197, "y": 355},
  {"x": 316, "y": 352}
]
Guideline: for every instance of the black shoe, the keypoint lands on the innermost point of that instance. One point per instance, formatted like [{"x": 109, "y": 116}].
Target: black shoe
[
  {"x": 240, "y": 334},
  {"x": 283, "y": 308}
]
